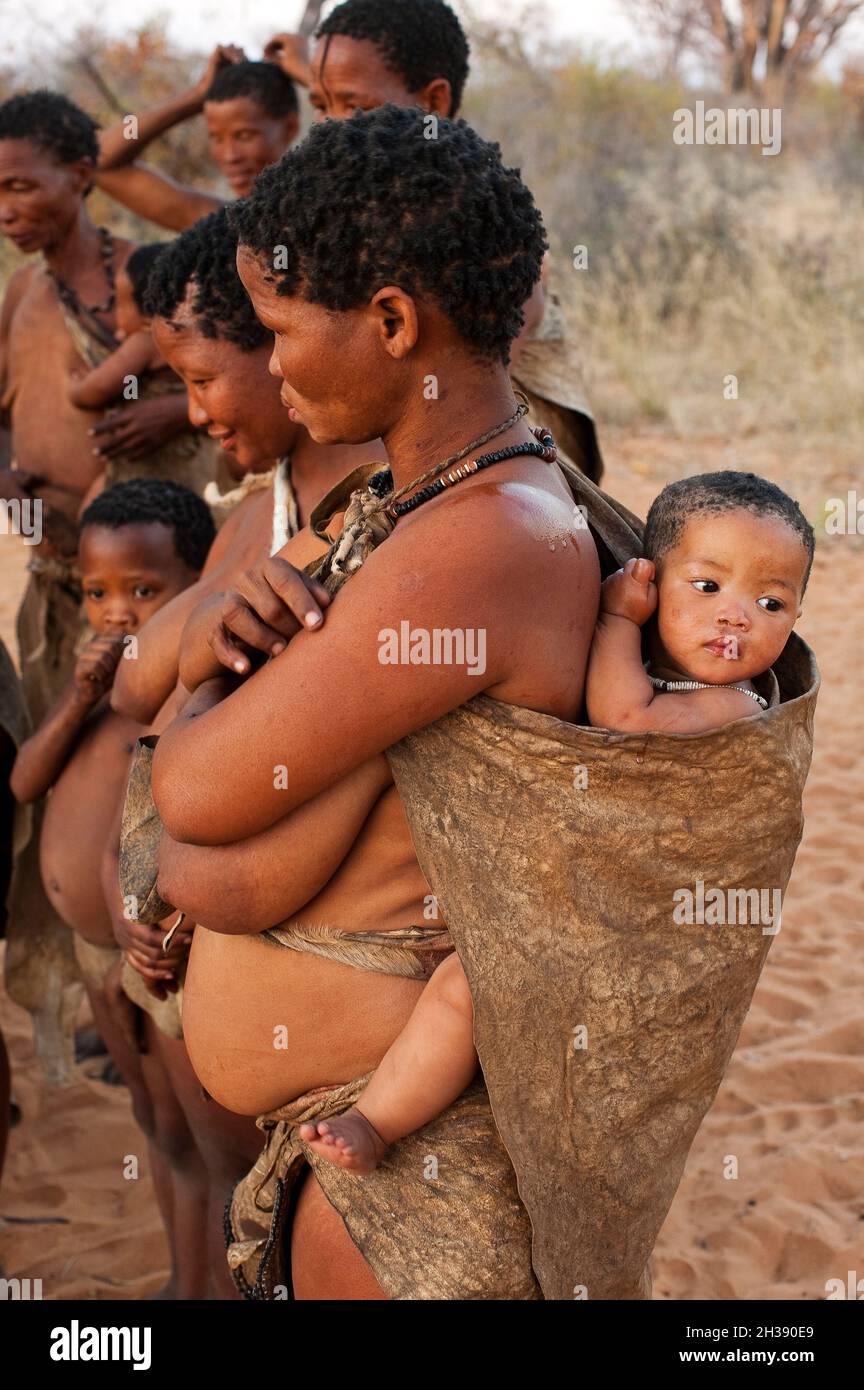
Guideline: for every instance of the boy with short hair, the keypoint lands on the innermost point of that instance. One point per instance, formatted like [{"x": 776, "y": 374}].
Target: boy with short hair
[{"x": 141, "y": 543}]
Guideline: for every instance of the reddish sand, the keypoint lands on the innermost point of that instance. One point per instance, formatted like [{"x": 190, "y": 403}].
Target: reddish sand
[{"x": 790, "y": 1108}]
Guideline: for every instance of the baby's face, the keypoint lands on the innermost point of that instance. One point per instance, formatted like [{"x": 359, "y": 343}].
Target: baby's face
[
  {"x": 128, "y": 574},
  {"x": 728, "y": 595}
]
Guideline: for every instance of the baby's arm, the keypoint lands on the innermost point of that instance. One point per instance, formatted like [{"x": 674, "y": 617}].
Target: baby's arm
[
  {"x": 44, "y": 755},
  {"x": 106, "y": 382},
  {"x": 425, "y": 1070},
  {"x": 619, "y": 694},
  {"x": 617, "y": 690}
]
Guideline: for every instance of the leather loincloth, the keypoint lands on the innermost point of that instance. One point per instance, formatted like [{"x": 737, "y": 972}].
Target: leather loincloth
[{"x": 440, "y": 1217}]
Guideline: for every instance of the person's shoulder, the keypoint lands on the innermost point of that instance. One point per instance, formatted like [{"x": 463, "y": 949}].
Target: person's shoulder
[
  {"x": 500, "y": 545},
  {"x": 30, "y": 291},
  {"x": 500, "y": 517},
  {"x": 19, "y": 282}
]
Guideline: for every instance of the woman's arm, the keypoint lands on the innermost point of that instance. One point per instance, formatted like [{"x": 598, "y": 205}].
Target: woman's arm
[
  {"x": 154, "y": 195},
  {"x": 291, "y": 53},
  {"x": 337, "y": 697},
  {"x": 245, "y": 888}
]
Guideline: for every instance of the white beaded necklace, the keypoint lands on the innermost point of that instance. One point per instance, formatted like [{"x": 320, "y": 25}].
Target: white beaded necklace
[{"x": 660, "y": 684}]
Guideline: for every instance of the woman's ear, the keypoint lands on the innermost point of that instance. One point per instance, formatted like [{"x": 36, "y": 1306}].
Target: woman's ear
[
  {"x": 394, "y": 314},
  {"x": 82, "y": 174}
]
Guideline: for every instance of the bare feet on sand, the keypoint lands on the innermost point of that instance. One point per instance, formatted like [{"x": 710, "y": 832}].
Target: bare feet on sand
[{"x": 349, "y": 1140}]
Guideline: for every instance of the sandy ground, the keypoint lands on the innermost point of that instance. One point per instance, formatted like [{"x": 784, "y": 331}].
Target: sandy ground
[{"x": 791, "y": 1106}]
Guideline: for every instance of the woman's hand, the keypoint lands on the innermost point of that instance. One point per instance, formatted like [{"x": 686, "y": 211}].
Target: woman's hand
[
  {"x": 142, "y": 944},
  {"x": 159, "y": 969},
  {"x": 630, "y": 592},
  {"x": 138, "y": 429},
  {"x": 266, "y": 608}
]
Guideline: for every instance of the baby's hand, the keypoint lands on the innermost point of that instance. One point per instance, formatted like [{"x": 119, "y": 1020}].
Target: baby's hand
[{"x": 630, "y": 592}]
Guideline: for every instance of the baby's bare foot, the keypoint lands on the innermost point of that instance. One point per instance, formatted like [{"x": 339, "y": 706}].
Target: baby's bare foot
[{"x": 349, "y": 1140}]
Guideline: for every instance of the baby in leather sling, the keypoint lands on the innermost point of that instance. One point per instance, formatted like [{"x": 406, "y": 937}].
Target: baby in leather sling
[{"x": 685, "y": 642}]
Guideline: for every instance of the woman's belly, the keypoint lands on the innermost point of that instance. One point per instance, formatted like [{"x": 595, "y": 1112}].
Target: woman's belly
[
  {"x": 263, "y": 1023},
  {"x": 78, "y": 820}
]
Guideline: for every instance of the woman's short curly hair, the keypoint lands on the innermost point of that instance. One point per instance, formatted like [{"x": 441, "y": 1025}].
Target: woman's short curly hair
[
  {"x": 53, "y": 123},
  {"x": 396, "y": 197},
  {"x": 204, "y": 258},
  {"x": 419, "y": 40}
]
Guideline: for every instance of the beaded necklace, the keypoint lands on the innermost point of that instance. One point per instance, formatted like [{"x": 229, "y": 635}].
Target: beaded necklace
[
  {"x": 659, "y": 684},
  {"x": 544, "y": 449},
  {"x": 382, "y": 482},
  {"x": 70, "y": 297}
]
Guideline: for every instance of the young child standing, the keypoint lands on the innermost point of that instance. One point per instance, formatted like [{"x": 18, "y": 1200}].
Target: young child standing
[
  {"x": 728, "y": 556},
  {"x": 141, "y": 543}
]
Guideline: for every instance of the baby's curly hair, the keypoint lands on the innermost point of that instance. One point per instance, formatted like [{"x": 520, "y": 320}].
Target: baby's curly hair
[
  {"x": 143, "y": 500},
  {"x": 419, "y": 40},
  {"x": 53, "y": 123},
  {"x": 264, "y": 83},
  {"x": 386, "y": 198},
  {"x": 204, "y": 256},
  {"x": 715, "y": 493},
  {"x": 138, "y": 268}
]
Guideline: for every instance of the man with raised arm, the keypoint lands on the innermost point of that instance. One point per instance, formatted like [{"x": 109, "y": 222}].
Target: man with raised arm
[{"x": 252, "y": 119}]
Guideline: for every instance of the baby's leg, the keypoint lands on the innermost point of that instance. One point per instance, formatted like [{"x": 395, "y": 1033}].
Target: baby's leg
[{"x": 428, "y": 1066}]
